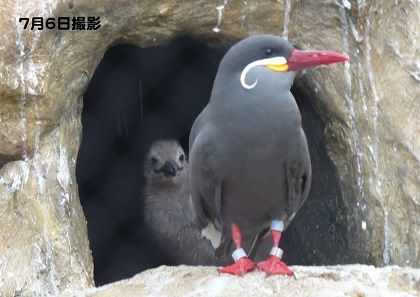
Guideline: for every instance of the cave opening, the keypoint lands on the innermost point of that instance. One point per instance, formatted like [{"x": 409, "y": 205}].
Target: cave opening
[{"x": 140, "y": 95}]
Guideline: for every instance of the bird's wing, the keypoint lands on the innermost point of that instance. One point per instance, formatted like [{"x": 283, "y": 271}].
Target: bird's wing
[
  {"x": 194, "y": 129},
  {"x": 299, "y": 178},
  {"x": 205, "y": 186}
]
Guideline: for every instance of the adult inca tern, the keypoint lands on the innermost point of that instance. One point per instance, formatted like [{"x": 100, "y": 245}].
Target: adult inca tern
[{"x": 250, "y": 169}]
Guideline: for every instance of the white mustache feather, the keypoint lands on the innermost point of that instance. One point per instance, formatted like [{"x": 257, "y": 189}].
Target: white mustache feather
[{"x": 262, "y": 62}]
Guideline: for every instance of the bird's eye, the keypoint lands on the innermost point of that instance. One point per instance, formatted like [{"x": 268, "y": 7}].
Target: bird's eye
[
  {"x": 153, "y": 160},
  {"x": 181, "y": 158},
  {"x": 268, "y": 52}
]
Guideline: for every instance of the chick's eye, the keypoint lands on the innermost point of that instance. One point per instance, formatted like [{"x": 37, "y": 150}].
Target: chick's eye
[
  {"x": 268, "y": 52},
  {"x": 153, "y": 160},
  {"x": 181, "y": 158}
]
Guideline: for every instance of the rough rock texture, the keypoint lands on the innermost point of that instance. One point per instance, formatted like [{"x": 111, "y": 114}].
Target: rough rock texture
[
  {"x": 325, "y": 281},
  {"x": 370, "y": 108},
  {"x": 372, "y": 128}
]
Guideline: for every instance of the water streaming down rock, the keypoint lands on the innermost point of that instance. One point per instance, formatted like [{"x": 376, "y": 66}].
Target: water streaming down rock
[
  {"x": 286, "y": 18},
  {"x": 20, "y": 179},
  {"x": 364, "y": 139},
  {"x": 371, "y": 140},
  {"x": 220, "y": 9},
  {"x": 36, "y": 90},
  {"x": 353, "y": 96},
  {"x": 29, "y": 74},
  {"x": 374, "y": 149},
  {"x": 244, "y": 12},
  {"x": 349, "y": 98}
]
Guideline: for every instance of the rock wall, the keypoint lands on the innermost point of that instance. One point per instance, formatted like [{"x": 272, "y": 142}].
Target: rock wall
[
  {"x": 369, "y": 107},
  {"x": 372, "y": 129}
]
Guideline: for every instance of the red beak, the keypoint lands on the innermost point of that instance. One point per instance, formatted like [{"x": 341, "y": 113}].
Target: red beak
[{"x": 304, "y": 59}]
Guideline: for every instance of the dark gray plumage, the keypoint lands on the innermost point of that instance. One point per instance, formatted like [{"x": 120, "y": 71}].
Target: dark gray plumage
[
  {"x": 249, "y": 155},
  {"x": 168, "y": 207}
]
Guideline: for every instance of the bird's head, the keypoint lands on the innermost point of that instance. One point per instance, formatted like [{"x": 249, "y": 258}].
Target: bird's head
[
  {"x": 165, "y": 162},
  {"x": 275, "y": 54}
]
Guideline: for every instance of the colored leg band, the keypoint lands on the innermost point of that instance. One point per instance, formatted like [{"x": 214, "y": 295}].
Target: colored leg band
[
  {"x": 238, "y": 253},
  {"x": 277, "y": 225},
  {"x": 276, "y": 251}
]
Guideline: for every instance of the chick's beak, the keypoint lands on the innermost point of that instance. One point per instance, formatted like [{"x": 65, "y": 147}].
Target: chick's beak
[{"x": 169, "y": 168}]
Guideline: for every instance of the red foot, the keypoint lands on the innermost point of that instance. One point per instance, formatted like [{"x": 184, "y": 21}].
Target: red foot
[
  {"x": 240, "y": 267},
  {"x": 274, "y": 265}
]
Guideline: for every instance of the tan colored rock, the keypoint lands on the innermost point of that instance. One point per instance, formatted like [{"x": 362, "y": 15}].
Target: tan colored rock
[
  {"x": 371, "y": 114},
  {"x": 370, "y": 108},
  {"x": 43, "y": 239},
  {"x": 326, "y": 281}
]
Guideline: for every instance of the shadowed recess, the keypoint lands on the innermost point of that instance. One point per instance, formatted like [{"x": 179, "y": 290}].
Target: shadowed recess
[{"x": 137, "y": 96}]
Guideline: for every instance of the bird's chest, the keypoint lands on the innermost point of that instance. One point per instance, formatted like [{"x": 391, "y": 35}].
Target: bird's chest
[{"x": 258, "y": 129}]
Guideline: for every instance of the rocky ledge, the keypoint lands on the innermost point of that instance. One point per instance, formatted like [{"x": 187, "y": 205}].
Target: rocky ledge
[{"x": 325, "y": 281}]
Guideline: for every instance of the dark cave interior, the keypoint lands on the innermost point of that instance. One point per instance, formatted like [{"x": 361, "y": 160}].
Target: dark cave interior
[{"x": 138, "y": 96}]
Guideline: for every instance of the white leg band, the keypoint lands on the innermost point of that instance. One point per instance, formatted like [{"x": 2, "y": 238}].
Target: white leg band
[
  {"x": 277, "y": 225},
  {"x": 277, "y": 252},
  {"x": 238, "y": 253}
]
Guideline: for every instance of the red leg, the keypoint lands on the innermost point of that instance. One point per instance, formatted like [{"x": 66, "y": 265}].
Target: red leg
[
  {"x": 273, "y": 264},
  {"x": 242, "y": 263}
]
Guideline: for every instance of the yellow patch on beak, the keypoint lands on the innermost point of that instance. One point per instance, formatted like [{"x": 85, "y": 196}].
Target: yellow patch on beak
[
  {"x": 276, "y": 63},
  {"x": 278, "y": 67}
]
